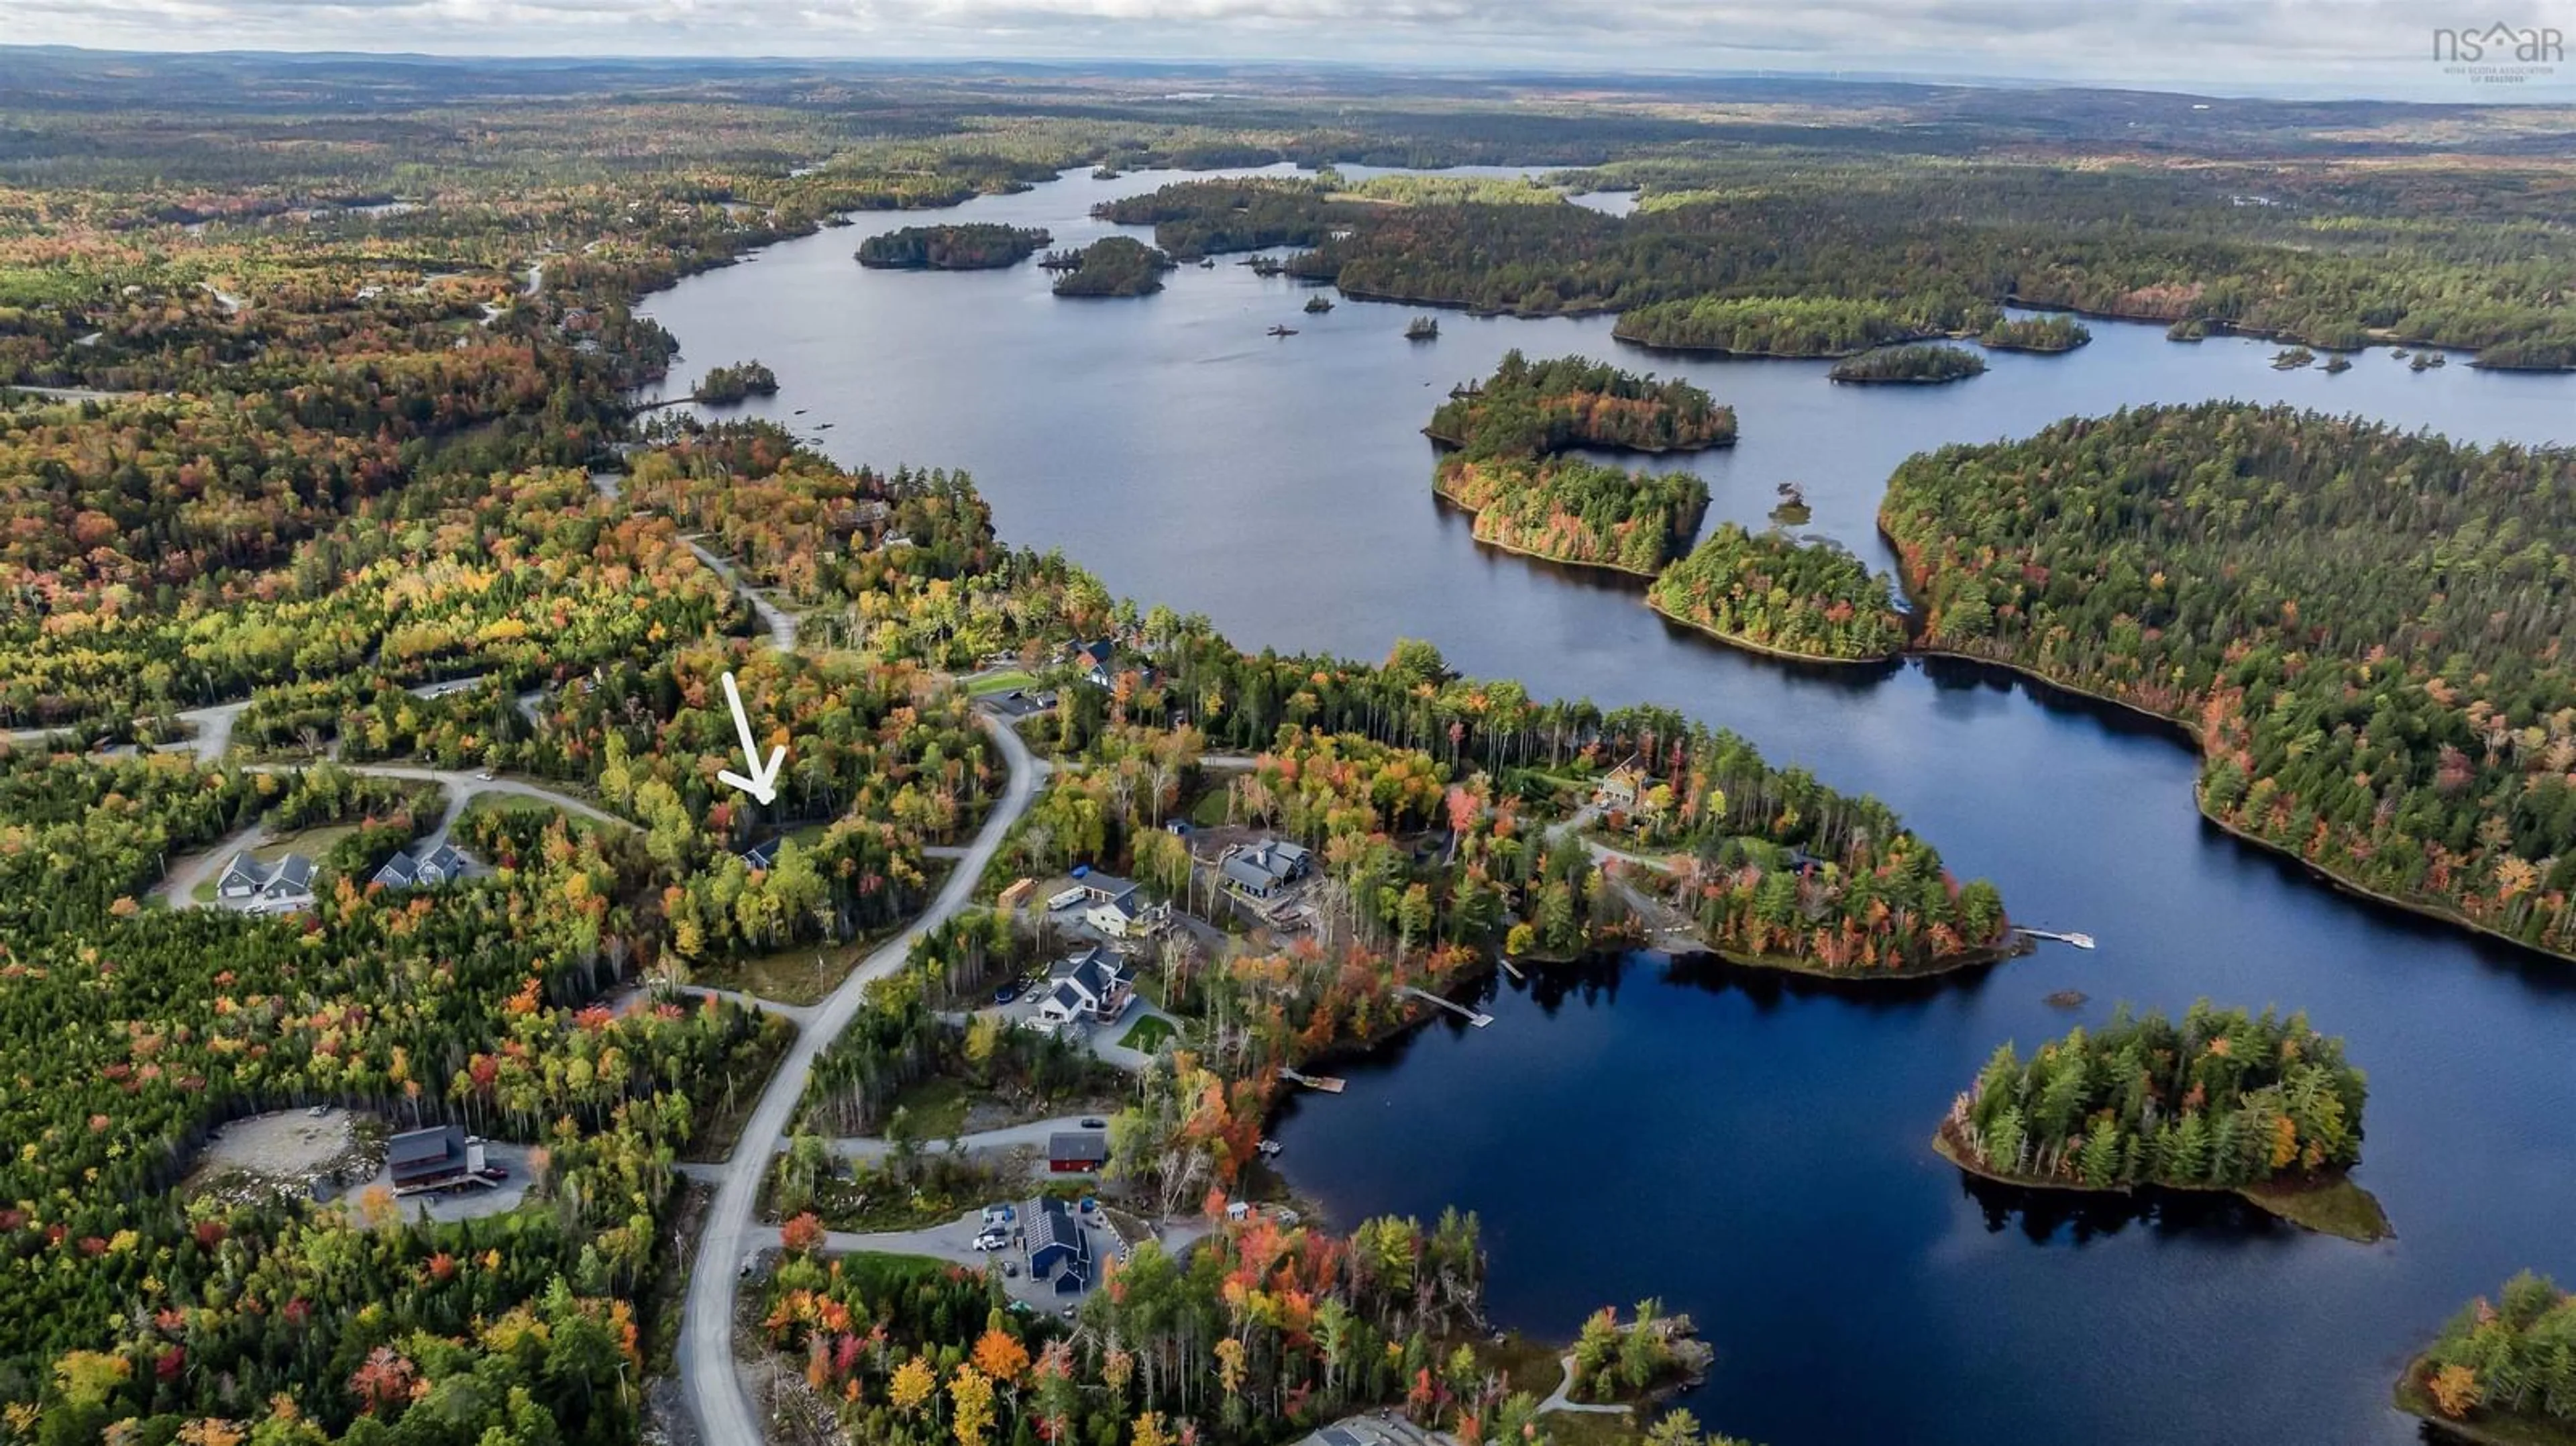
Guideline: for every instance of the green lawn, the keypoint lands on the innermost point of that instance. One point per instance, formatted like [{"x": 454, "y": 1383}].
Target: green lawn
[
  {"x": 506, "y": 803},
  {"x": 935, "y": 1107},
  {"x": 1001, "y": 682},
  {"x": 1147, "y": 1034},
  {"x": 313, "y": 843}
]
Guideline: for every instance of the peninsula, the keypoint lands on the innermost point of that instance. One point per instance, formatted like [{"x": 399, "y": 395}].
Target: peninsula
[{"x": 1774, "y": 594}]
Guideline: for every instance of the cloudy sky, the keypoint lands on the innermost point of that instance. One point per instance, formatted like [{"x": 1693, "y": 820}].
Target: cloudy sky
[{"x": 2328, "y": 47}]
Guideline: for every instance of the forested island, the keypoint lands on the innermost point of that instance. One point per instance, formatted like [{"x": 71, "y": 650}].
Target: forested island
[
  {"x": 1506, "y": 434},
  {"x": 2041, "y": 334},
  {"x": 2502, "y": 1372},
  {"x": 1528, "y": 409},
  {"x": 2259, "y": 1105},
  {"x": 1924, "y": 365},
  {"x": 723, "y": 384},
  {"x": 1796, "y": 326},
  {"x": 2372, "y": 666},
  {"x": 968, "y": 246},
  {"x": 1774, "y": 594},
  {"x": 1112, "y": 266}
]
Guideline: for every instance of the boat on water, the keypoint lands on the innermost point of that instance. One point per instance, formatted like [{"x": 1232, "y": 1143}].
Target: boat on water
[
  {"x": 1319, "y": 304},
  {"x": 1283, "y": 331},
  {"x": 1207, "y": 263},
  {"x": 1423, "y": 328}
]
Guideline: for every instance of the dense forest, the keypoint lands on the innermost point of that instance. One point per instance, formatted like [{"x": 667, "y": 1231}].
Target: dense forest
[
  {"x": 2362, "y": 627},
  {"x": 1772, "y": 592},
  {"x": 1505, "y": 435},
  {"x": 2035, "y": 333},
  {"x": 1900, "y": 364},
  {"x": 1111, "y": 266},
  {"x": 2220, "y": 1101},
  {"x": 1795, "y": 326},
  {"x": 2505, "y": 1368},
  {"x": 1531, "y": 409},
  {"x": 964, "y": 246},
  {"x": 351, "y": 444}
]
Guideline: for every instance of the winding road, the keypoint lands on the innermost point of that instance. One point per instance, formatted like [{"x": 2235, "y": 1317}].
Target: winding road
[{"x": 709, "y": 1381}]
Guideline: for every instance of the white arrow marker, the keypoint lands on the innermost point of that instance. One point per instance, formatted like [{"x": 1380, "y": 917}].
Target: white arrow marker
[{"x": 763, "y": 782}]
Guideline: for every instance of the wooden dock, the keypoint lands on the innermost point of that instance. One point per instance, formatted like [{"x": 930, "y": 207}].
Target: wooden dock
[
  {"x": 1327, "y": 1083},
  {"x": 1462, "y": 1011}
]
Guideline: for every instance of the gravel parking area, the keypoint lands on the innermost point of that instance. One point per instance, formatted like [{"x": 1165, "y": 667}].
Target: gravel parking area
[
  {"x": 472, "y": 1203},
  {"x": 289, "y": 1152}
]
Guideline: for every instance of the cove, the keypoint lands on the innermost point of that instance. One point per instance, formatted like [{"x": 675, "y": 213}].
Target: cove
[{"x": 1751, "y": 1148}]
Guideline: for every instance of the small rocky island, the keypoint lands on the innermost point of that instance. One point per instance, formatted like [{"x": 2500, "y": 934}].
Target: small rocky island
[
  {"x": 1921, "y": 365},
  {"x": 973, "y": 246},
  {"x": 2260, "y": 1106},
  {"x": 2040, "y": 333},
  {"x": 723, "y": 385},
  {"x": 1111, "y": 266}
]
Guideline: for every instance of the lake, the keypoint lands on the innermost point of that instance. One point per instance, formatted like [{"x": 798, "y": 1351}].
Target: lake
[{"x": 1752, "y": 1150}]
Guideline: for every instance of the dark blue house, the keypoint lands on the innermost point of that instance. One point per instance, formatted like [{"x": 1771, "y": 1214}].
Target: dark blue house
[{"x": 1059, "y": 1249}]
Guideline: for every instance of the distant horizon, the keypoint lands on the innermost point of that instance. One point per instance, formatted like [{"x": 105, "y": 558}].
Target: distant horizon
[{"x": 2290, "y": 50}]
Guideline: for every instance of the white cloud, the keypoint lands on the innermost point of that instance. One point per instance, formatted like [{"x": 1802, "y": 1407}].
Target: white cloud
[{"x": 2331, "y": 46}]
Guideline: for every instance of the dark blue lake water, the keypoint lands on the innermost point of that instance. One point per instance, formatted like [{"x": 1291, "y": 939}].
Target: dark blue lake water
[{"x": 1753, "y": 1151}]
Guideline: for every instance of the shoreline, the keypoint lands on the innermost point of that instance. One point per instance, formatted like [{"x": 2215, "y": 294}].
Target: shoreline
[
  {"x": 2266, "y": 1197},
  {"x": 1684, "y": 348},
  {"x": 1439, "y": 490},
  {"x": 1799, "y": 964},
  {"x": 1748, "y": 645},
  {"x": 1460, "y": 444},
  {"x": 2422, "y": 909},
  {"x": 2409, "y": 1396}
]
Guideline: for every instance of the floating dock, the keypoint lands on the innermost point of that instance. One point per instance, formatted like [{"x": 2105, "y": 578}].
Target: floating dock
[
  {"x": 2080, "y": 941},
  {"x": 1327, "y": 1083}
]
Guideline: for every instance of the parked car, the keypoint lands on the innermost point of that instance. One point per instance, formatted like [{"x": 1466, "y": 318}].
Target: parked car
[
  {"x": 992, "y": 1240},
  {"x": 998, "y": 1215},
  {"x": 1094, "y": 1122},
  {"x": 1071, "y": 1311}
]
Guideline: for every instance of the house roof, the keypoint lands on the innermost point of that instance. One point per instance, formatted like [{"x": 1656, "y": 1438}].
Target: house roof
[
  {"x": 762, "y": 855},
  {"x": 447, "y": 862},
  {"x": 294, "y": 871},
  {"x": 1244, "y": 871},
  {"x": 1100, "y": 652},
  {"x": 1067, "y": 998},
  {"x": 1077, "y": 1146},
  {"x": 1093, "y": 971},
  {"x": 431, "y": 1146},
  {"x": 1045, "y": 1222}
]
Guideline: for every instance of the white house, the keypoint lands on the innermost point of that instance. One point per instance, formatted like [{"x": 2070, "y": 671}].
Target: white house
[
  {"x": 257, "y": 888},
  {"x": 1091, "y": 985},
  {"x": 1114, "y": 907}
]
